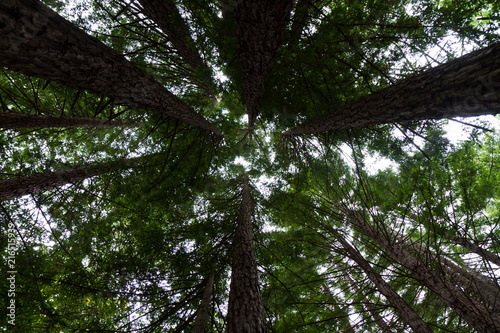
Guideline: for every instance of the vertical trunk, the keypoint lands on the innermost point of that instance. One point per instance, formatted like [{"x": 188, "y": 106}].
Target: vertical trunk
[
  {"x": 9, "y": 120},
  {"x": 245, "y": 310},
  {"x": 467, "y": 86},
  {"x": 472, "y": 311},
  {"x": 384, "y": 328},
  {"x": 405, "y": 312},
  {"x": 17, "y": 187},
  {"x": 37, "y": 41},
  {"x": 166, "y": 15},
  {"x": 299, "y": 19},
  {"x": 202, "y": 313},
  {"x": 485, "y": 254},
  {"x": 261, "y": 27}
]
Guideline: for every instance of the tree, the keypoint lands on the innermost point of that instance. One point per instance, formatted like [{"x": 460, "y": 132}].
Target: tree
[
  {"x": 245, "y": 309},
  {"x": 20, "y": 120},
  {"x": 50, "y": 37},
  {"x": 16, "y": 187},
  {"x": 175, "y": 218}
]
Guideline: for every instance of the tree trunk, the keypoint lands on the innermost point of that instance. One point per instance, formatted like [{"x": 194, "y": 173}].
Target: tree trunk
[
  {"x": 467, "y": 86},
  {"x": 485, "y": 254},
  {"x": 10, "y": 120},
  {"x": 166, "y": 15},
  {"x": 37, "y": 41},
  {"x": 405, "y": 312},
  {"x": 472, "y": 311},
  {"x": 261, "y": 27},
  {"x": 384, "y": 328},
  {"x": 473, "y": 282},
  {"x": 202, "y": 313},
  {"x": 245, "y": 310},
  {"x": 17, "y": 187},
  {"x": 299, "y": 19}
]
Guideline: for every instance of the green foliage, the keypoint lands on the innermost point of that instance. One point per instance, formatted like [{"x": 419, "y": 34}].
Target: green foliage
[{"x": 131, "y": 250}]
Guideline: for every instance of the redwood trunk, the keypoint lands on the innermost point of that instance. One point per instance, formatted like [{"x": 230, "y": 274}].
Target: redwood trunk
[
  {"x": 473, "y": 282},
  {"x": 10, "y": 120},
  {"x": 405, "y": 312},
  {"x": 261, "y": 27},
  {"x": 166, "y": 15},
  {"x": 300, "y": 19},
  {"x": 17, "y": 187},
  {"x": 37, "y": 41},
  {"x": 485, "y": 254},
  {"x": 472, "y": 311},
  {"x": 202, "y": 313},
  {"x": 467, "y": 86},
  {"x": 246, "y": 309}
]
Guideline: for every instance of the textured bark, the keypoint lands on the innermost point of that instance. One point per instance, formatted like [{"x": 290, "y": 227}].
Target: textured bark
[
  {"x": 261, "y": 27},
  {"x": 485, "y": 254},
  {"x": 17, "y": 187},
  {"x": 202, "y": 313},
  {"x": 166, "y": 15},
  {"x": 245, "y": 309},
  {"x": 36, "y": 41},
  {"x": 467, "y": 86},
  {"x": 377, "y": 318},
  {"x": 472, "y": 311},
  {"x": 473, "y": 282},
  {"x": 22, "y": 120},
  {"x": 405, "y": 312}
]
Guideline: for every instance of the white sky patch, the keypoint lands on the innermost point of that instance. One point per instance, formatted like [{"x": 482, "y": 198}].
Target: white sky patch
[
  {"x": 347, "y": 154},
  {"x": 375, "y": 162},
  {"x": 241, "y": 161},
  {"x": 457, "y": 132}
]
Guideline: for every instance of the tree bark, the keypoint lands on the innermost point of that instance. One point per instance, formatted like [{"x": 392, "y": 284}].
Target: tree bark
[
  {"x": 166, "y": 15},
  {"x": 37, "y": 41},
  {"x": 11, "y": 120},
  {"x": 485, "y": 254},
  {"x": 17, "y": 187},
  {"x": 202, "y": 313},
  {"x": 299, "y": 19},
  {"x": 473, "y": 282},
  {"x": 466, "y": 86},
  {"x": 246, "y": 309},
  {"x": 261, "y": 28},
  {"x": 405, "y": 312},
  {"x": 472, "y": 311}
]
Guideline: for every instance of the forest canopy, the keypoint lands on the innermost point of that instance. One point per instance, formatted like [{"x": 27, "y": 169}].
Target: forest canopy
[{"x": 215, "y": 166}]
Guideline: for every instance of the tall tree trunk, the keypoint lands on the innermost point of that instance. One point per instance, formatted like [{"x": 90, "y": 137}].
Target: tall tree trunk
[
  {"x": 299, "y": 20},
  {"x": 472, "y": 311},
  {"x": 166, "y": 15},
  {"x": 405, "y": 312},
  {"x": 245, "y": 310},
  {"x": 261, "y": 27},
  {"x": 201, "y": 315},
  {"x": 473, "y": 282},
  {"x": 10, "y": 120},
  {"x": 37, "y": 41},
  {"x": 467, "y": 86},
  {"x": 377, "y": 318},
  {"x": 485, "y": 254},
  {"x": 17, "y": 187}
]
